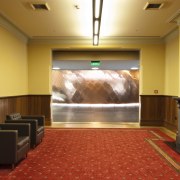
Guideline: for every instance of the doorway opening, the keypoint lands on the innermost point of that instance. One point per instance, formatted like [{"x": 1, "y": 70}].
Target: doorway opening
[{"x": 106, "y": 94}]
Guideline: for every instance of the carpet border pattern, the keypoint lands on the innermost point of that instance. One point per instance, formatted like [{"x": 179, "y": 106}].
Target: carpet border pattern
[{"x": 164, "y": 154}]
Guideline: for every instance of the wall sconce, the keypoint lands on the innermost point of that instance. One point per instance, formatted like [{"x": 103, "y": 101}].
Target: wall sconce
[{"x": 97, "y": 12}]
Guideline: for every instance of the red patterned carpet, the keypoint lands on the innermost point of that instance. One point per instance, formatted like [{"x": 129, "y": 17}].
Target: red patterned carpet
[{"x": 98, "y": 154}]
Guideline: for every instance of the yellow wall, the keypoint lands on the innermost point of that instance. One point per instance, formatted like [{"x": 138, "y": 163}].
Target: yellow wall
[
  {"x": 13, "y": 65},
  {"x": 152, "y": 69},
  {"x": 172, "y": 64},
  {"x": 151, "y": 66},
  {"x": 19, "y": 76},
  {"x": 39, "y": 66}
]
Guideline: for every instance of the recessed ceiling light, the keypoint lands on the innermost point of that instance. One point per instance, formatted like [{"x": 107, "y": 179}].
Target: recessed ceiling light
[
  {"x": 134, "y": 68},
  {"x": 56, "y": 68},
  {"x": 94, "y": 68}
]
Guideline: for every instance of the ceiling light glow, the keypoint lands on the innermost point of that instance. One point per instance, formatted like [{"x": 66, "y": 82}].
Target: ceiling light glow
[
  {"x": 134, "y": 68},
  {"x": 56, "y": 68},
  {"x": 95, "y": 40},
  {"x": 94, "y": 68},
  {"x": 96, "y": 27},
  {"x": 97, "y": 8},
  {"x": 97, "y": 11}
]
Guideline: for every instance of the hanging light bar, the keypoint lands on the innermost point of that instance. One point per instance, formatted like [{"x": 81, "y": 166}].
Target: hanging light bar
[
  {"x": 97, "y": 8},
  {"x": 95, "y": 40},
  {"x": 97, "y": 12},
  {"x": 96, "y": 26}
]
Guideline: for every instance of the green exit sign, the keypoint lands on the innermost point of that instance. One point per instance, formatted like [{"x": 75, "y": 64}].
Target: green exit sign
[{"x": 95, "y": 63}]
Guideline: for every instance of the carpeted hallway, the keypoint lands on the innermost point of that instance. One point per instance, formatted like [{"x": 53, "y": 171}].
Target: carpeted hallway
[{"x": 98, "y": 154}]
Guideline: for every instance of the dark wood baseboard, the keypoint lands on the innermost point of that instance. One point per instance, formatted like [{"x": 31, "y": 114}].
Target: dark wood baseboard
[
  {"x": 151, "y": 123},
  {"x": 170, "y": 126}
]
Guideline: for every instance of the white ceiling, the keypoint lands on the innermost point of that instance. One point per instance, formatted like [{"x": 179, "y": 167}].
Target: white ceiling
[{"x": 120, "y": 18}]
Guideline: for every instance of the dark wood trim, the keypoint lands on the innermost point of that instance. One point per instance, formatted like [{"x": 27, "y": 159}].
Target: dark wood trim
[
  {"x": 151, "y": 123},
  {"x": 5, "y": 97},
  {"x": 155, "y": 110},
  {"x": 170, "y": 126},
  {"x": 1, "y": 97},
  {"x": 26, "y": 104},
  {"x": 40, "y": 104},
  {"x": 159, "y": 110},
  {"x": 13, "y": 104},
  {"x": 152, "y": 110},
  {"x": 171, "y": 113}
]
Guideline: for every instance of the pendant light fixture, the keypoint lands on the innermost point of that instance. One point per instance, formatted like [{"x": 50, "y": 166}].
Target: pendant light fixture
[{"x": 97, "y": 12}]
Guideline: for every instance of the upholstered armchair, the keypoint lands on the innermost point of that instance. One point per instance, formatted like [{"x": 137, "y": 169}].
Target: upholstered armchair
[
  {"x": 14, "y": 142},
  {"x": 37, "y": 125}
]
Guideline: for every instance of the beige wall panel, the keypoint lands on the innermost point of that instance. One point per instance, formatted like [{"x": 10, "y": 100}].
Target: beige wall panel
[
  {"x": 152, "y": 69},
  {"x": 172, "y": 65},
  {"x": 39, "y": 69},
  {"x": 13, "y": 65},
  {"x": 152, "y": 64}
]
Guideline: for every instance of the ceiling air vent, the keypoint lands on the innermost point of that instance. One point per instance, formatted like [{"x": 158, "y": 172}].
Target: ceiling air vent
[
  {"x": 40, "y": 6},
  {"x": 153, "y": 6}
]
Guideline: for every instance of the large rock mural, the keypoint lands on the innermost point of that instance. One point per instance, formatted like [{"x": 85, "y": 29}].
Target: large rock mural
[{"x": 95, "y": 86}]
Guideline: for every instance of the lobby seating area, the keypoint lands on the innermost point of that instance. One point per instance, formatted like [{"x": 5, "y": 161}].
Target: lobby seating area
[
  {"x": 18, "y": 135},
  {"x": 15, "y": 142},
  {"x": 37, "y": 125}
]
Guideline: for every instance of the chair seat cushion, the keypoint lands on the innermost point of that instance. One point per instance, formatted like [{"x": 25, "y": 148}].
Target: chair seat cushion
[
  {"x": 22, "y": 140},
  {"x": 40, "y": 129}
]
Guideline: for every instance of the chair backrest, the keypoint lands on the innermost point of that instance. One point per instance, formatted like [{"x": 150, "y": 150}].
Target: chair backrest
[{"x": 14, "y": 116}]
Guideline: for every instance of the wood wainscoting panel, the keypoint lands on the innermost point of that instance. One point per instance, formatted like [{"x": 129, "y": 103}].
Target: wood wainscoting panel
[
  {"x": 159, "y": 111},
  {"x": 171, "y": 113},
  {"x": 40, "y": 104},
  {"x": 13, "y": 104},
  {"x": 155, "y": 110},
  {"x": 27, "y": 104},
  {"x": 152, "y": 110}
]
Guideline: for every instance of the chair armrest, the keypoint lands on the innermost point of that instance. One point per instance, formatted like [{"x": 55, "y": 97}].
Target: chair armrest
[
  {"x": 40, "y": 118},
  {"x": 33, "y": 122},
  {"x": 23, "y": 129},
  {"x": 33, "y": 128}
]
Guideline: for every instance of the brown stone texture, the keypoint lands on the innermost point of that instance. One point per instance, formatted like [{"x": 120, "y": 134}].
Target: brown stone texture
[{"x": 95, "y": 86}]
